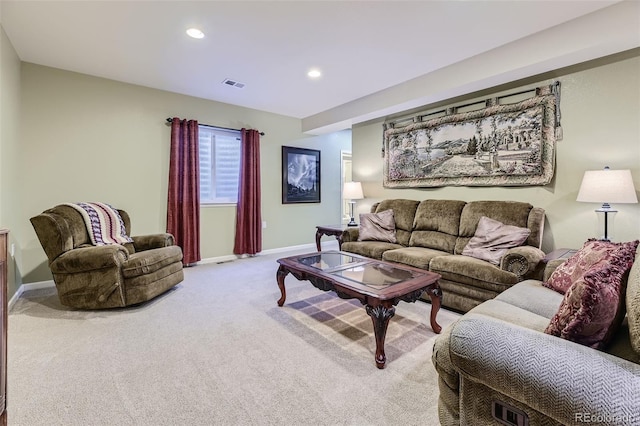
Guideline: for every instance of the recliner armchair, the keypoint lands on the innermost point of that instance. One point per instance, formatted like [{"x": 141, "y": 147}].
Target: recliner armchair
[{"x": 107, "y": 276}]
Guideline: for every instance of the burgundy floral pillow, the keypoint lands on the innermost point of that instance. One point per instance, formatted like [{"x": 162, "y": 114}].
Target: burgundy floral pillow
[
  {"x": 593, "y": 306},
  {"x": 592, "y": 252}
]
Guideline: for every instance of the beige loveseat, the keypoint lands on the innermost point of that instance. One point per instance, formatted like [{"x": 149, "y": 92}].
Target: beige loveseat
[
  {"x": 497, "y": 362},
  {"x": 432, "y": 234}
]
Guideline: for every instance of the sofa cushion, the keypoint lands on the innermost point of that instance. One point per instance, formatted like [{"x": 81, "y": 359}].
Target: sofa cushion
[
  {"x": 633, "y": 304},
  {"x": 372, "y": 249},
  {"x": 508, "y": 212},
  {"x": 592, "y": 252},
  {"x": 146, "y": 262},
  {"x": 492, "y": 239},
  {"x": 593, "y": 307},
  {"x": 532, "y": 296},
  {"x": 413, "y": 256},
  {"x": 472, "y": 272},
  {"x": 377, "y": 227},
  {"x": 404, "y": 212},
  {"x": 436, "y": 224}
]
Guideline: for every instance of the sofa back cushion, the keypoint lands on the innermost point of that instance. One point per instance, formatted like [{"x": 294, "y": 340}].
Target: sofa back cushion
[
  {"x": 514, "y": 213},
  {"x": 633, "y": 303},
  {"x": 436, "y": 224},
  {"x": 403, "y": 211}
]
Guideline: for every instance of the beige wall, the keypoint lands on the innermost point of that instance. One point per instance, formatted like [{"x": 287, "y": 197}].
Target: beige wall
[
  {"x": 601, "y": 122},
  {"x": 9, "y": 155},
  {"x": 90, "y": 139},
  {"x": 71, "y": 137}
]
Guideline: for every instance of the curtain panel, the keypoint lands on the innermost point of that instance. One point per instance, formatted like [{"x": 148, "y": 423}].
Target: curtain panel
[
  {"x": 248, "y": 214},
  {"x": 183, "y": 205}
]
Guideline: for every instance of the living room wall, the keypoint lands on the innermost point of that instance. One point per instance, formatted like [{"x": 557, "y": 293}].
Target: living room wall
[
  {"x": 9, "y": 143},
  {"x": 600, "y": 107},
  {"x": 87, "y": 138}
]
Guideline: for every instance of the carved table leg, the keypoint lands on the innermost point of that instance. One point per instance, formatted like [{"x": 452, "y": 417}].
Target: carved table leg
[
  {"x": 280, "y": 275},
  {"x": 435, "y": 294},
  {"x": 380, "y": 315},
  {"x": 318, "y": 236}
]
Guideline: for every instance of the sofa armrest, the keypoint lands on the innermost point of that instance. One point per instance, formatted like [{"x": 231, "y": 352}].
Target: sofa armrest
[
  {"x": 524, "y": 261},
  {"x": 350, "y": 234},
  {"x": 558, "y": 378},
  {"x": 152, "y": 241},
  {"x": 90, "y": 258}
]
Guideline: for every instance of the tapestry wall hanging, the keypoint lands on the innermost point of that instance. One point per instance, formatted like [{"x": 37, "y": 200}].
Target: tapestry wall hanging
[{"x": 498, "y": 145}]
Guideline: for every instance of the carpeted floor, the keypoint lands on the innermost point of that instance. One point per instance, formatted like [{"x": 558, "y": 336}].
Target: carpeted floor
[{"x": 218, "y": 350}]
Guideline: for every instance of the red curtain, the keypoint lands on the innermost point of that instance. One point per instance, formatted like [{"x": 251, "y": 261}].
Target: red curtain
[
  {"x": 183, "y": 207},
  {"x": 248, "y": 214}
]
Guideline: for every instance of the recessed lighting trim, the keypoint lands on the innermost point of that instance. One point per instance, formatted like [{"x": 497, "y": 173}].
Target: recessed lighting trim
[
  {"x": 314, "y": 73},
  {"x": 195, "y": 33}
]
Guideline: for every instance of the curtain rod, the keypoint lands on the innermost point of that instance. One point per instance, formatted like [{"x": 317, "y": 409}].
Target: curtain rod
[
  {"x": 420, "y": 117},
  {"x": 169, "y": 120}
]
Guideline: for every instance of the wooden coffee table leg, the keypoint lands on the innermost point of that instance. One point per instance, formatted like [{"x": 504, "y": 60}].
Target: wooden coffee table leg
[
  {"x": 435, "y": 294},
  {"x": 318, "y": 236},
  {"x": 280, "y": 275},
  {"x": 380, "y": 315}
]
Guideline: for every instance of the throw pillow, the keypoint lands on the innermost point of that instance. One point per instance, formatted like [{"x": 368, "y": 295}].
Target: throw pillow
[
  {"x": 593, "y": 307},
  {"x": 570, "y": 271},
  {"x": 377, "y": 227},
  {"x": 493, "y": 238}
]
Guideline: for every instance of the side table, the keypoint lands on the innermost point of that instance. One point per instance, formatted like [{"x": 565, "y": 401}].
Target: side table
[
  {"x": 335, "y": 230},
  {"x": 561, "y": 253}
]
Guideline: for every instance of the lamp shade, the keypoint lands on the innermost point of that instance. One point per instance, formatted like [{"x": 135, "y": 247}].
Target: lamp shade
[
  {"x": 607, "y": 186},
  {"x": 352, "y": 191}
]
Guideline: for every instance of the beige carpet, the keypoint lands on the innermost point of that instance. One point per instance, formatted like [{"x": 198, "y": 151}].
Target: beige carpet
[{"x": 218, "y": 350}]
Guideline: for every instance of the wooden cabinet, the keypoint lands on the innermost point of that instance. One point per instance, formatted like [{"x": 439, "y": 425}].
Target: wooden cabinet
[{"x": 3, "y": 326}]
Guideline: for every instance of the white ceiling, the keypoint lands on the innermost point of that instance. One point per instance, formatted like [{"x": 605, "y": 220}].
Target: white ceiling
[{"x": 362, "y": 47}]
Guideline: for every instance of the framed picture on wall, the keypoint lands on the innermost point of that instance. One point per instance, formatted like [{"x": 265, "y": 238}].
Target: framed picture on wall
[{"x": 300, "y": 175}]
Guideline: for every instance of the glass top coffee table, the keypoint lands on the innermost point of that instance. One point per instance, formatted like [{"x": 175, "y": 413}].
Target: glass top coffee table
[{"x": 378, "y": 285}]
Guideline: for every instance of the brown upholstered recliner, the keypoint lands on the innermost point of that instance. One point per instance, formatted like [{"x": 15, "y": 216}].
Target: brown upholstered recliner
[{"x": 106, "y": 276}]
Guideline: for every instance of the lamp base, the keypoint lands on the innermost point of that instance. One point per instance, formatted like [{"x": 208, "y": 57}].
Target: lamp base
[{"x": 352, "y": 222}]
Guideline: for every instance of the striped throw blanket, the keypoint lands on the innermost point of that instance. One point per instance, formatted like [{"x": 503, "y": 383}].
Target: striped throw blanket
[{"x": 104, "y": 223}]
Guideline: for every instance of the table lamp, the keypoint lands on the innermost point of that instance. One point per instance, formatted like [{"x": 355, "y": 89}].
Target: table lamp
[
  {"x": 607, "y": 186},
  {"x": 352, "y": 191}
]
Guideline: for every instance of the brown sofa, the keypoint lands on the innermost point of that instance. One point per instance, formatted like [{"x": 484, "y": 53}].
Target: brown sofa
[
  {"x": 106, "y": 276},
  {"x": 432, "y": 234}
]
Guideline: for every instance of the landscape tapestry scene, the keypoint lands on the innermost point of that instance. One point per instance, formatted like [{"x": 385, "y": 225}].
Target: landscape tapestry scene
[{"x": 499, "y": 145}]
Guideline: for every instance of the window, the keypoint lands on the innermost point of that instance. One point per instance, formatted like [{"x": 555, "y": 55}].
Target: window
[{"x": 219, "y": 165}]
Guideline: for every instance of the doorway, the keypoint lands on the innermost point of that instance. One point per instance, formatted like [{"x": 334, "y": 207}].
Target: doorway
[{"x": 346, "y": 176}]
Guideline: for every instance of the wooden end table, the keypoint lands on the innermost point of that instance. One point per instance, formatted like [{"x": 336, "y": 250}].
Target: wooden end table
[
  {"x": 377, "y": 284},
  {"x": 331, "y": 230},
  {"x": 561, "y": 253}
]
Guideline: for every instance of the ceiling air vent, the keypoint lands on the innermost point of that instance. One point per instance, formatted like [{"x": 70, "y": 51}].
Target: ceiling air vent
[{"x": 233, "y": 83}]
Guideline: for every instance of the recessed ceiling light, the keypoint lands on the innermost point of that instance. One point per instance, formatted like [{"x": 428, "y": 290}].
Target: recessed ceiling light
[
  {"x": 195, "y": 33},
  {"x": 314, "y": 73}
]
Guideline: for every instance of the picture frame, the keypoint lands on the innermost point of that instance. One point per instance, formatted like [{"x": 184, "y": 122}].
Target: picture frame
[{"x": 300, "y": 175}]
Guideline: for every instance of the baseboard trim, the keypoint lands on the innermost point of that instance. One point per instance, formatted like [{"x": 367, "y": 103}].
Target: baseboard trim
[
  {"x": 29, "y": 286},
  {"x": 219, "y": 259}
]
